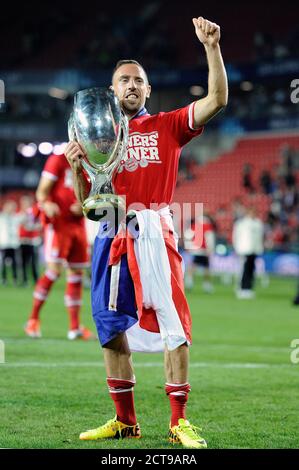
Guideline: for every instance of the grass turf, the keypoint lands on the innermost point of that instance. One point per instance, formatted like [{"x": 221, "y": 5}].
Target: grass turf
[{"x": 244, "y": 386}]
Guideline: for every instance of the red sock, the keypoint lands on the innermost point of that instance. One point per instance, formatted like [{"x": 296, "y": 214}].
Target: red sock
[
  {"x": 73, "y": 299},
  {"x": 41, "y": 291},
  {"x": 178, "y": 397},
  {"x": 121, "y": 392},
  {"x": 74, "y": 318}
]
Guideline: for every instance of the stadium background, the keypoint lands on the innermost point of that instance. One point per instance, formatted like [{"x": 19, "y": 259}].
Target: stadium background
[{"x": 242, "y": 376}]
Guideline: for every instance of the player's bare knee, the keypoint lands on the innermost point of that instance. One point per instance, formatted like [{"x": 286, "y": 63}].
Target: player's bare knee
[
  {"x": 119, "y": 345},
  {"x": 55, "y": 268},
  {"x": 74, "y": 272}
]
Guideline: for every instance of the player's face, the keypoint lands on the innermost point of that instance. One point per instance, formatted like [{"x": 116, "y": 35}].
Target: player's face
[{"x": 131, "y": 87}]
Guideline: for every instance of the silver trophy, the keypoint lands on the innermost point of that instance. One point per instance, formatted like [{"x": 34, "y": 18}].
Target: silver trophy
[{"x": 101, "y": 128}]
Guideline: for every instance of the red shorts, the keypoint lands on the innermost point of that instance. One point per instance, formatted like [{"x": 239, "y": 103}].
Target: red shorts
[{"x": 67, "y": 246}]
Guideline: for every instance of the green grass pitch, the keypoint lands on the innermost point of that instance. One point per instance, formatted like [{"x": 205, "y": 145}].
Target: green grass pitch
[{"x": 244, "y": 386}]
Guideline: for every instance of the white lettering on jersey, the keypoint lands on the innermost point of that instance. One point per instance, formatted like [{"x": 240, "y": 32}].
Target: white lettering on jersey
[{"x": 142, "y": 149}]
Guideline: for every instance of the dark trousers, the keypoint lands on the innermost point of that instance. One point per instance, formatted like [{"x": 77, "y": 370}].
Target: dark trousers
[
  {"x": 296, "y": 299},
  {"x": 9, "y": 254},
  {"x": 29, "y": 256},
  {"x": 247, "y": 279}
]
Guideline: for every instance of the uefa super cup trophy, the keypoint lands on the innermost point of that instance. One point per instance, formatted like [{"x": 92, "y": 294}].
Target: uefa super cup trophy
[{"x": 99, "y": 125}]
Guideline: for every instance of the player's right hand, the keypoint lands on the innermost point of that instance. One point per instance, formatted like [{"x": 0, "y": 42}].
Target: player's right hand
[
  {"x": 76, "y": 209},
  {"x": 74, "y": 152}
]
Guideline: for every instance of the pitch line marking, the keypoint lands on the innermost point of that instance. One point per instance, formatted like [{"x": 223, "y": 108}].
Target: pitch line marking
[
  {"x": 194, "y": 365},
  {"x": 200, "y": 345}
]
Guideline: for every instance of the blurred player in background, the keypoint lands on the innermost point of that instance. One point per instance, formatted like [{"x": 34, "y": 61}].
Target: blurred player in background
[
  {"x": 9, "y": 239},
  {"x": 143, "y": 181},
  {"x": 248, "y": 243},
  {"x": 65, "y": 245},
  {"x": 296, "y": 298},
  {"x": 199, "y": 241},
  {"x": 30, "y": 238}
]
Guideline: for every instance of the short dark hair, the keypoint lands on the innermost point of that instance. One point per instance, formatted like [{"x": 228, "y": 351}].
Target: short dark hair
[{"x": 128, "y": 61}]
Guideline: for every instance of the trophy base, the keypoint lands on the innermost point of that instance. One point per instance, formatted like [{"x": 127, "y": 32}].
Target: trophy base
[{"x": 103, "y": 206}]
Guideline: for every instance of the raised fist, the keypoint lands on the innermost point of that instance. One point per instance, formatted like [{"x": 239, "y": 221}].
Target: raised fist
[{"x": 207, "y": 32}]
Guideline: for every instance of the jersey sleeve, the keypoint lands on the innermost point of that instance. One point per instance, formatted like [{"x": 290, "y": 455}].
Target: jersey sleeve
[
  {"x": 181, "y": 124},
  {"x": 53, "y": 167}
]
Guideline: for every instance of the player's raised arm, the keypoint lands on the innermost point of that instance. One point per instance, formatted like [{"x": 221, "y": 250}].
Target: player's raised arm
[{"x": 209, "y": 35}]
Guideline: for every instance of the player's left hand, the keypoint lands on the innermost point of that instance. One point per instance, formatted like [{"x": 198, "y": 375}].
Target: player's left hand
[
  {"x": 76, "y": 209},
  {"x": 207, "y": 32}
]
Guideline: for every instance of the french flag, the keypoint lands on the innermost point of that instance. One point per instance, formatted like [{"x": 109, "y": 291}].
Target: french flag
[{"x": 155, "y": 267}]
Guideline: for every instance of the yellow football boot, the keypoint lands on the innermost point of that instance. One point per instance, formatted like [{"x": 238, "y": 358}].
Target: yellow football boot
[
  {"x": 113, "y": 429},
  {"x": 186, "y": 434}
]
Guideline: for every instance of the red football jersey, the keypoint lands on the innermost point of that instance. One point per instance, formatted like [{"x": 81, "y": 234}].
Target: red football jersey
[
  {"x": 58, "y": 170},
  {"x": 200, "y": 233},
  {"x": 148, "y": 173},
  {"x": 29, "y": 229}
]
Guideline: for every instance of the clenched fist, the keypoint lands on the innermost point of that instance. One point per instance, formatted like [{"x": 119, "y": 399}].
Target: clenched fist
[
  {"x": 74, "y": 152},
  {"x": 207, "y": 32},
  {"x": 50, "y": 208}
]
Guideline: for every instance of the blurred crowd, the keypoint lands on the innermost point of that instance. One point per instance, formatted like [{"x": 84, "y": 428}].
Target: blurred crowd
[
  {"x": 282, "y": 220},
  {"x": 199, "y": 246},
  {"x": 262, "y": 102},
  {"x": 280, "y": 211},
  {"x": 268, "y": 46},
  {"x": 148, "y": 35},
  {"x": 20, "y": 235},
  {"x": 41, "y": 107},
  {"x": 93, "y": 36},
  {"x": 187, "y": 166},
  {"x": 126, "y": 36},
  {"x": 101, "y": 37}
]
